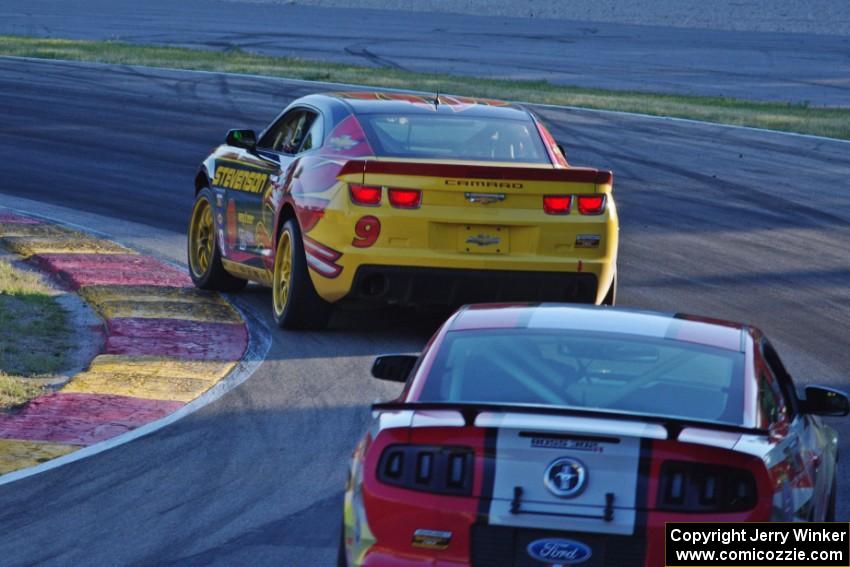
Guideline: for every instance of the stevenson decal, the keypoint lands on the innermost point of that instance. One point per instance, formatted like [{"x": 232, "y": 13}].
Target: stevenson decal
[{"x": 240, "y": 179}]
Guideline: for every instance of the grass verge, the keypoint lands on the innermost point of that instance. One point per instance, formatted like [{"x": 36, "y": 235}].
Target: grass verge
[
  {"x": 35, "y": 337},
  {"x": 801, "y": 118}
]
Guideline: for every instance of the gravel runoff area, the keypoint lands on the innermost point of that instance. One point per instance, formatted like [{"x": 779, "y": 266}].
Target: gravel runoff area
[{"x": 831, "y": 17}]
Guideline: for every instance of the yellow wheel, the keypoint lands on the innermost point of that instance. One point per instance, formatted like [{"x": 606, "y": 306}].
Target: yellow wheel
[
  {"x": 294, "y": 299},
  {"x": 203, "y": 254},
  {"x": 282, "y": 273},
  {"x": 201, "y": 238}
]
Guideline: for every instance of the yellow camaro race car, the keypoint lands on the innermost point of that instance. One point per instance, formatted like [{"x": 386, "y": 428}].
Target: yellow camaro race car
[{"x": 404, "y": 199}]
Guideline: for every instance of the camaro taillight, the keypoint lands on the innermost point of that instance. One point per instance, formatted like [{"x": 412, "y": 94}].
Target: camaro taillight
[
  {"x": 365, "y": 195},
  {"x": 696, "y": 487},
  {"x": 586, "y": 204},
  {"x": 405, "y": 198},
  {"x": 429, "y": 468},
  {"x": 591, "y": 204},
  {"x": 557, "y": 204}
]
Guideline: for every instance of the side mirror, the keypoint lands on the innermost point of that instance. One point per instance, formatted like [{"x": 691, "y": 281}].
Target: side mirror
[
  {"x": 825, "y": 401},
  {"x": 394, "y": 367},
  {"x": 246, "y": 139}
]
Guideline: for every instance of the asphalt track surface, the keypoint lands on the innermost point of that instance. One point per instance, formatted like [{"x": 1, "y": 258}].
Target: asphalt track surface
[
  {"x": 718, "y": 221},
  {"x": 755, "y": 65}
]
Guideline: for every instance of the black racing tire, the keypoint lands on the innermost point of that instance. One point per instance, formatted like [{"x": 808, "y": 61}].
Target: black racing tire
[
  {"x": 295, "y": 303},
  {"x": 341, "y": 560},
  {"x": 611, "y": 296},
  {"x": 830, "y": 507},
  {"x": 203, "y": 254}
]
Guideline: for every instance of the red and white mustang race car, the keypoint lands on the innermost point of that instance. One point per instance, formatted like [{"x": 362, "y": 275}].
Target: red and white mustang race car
[{"x": 565, "y": 435}]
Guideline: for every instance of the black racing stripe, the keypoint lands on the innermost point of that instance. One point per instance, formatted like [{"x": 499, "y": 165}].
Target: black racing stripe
[
  {"x": 642, "y": 495},
  {"x": 489, "y": 478}
]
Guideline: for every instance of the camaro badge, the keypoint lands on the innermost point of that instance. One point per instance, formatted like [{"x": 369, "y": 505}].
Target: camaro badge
[
  {"x": 565, "y": 477},
  {"x": 483, "y": 240}
]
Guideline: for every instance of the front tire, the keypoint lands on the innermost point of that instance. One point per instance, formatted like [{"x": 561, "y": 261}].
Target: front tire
[
  {"x": 204, "y": 256},
  {"x": 341, "y": 559},
  {"x": 830, "y": 508},
  {"x": 296, "y": 305}
]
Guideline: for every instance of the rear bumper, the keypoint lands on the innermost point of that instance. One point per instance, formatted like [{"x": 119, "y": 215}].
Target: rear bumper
[
  {"x": 453, "y": 287},
  {"x": 502, "y": 546}
]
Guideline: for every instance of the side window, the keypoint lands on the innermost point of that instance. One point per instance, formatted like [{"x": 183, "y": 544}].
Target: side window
[
  {"x": 313, "y": 139},
  {"x": 785, "y": 383},
  {"x": 772, "y": 406},
  {"x": 287, "y": 134}
]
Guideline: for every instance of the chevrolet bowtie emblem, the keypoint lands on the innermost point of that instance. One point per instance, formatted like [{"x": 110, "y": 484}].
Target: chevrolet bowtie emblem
[
  {"x": 484, "y": 198},
  {"x": 483, "y": 240}
]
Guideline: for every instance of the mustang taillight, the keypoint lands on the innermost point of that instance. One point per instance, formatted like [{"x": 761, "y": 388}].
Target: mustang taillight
[
  {"x": 428, "y": 468},
  {"x": 557, "y": 204},
  {"x": 591, "y": 204},
  {"x": 405, "y": 198},
  {"x": 696, "y": 487},
  {"x": 365, "y": 195}
]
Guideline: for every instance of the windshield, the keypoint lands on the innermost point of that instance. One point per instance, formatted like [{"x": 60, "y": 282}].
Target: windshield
[
  {"x": 588, "y": 370},
  {"x": 454, "y": 137}
]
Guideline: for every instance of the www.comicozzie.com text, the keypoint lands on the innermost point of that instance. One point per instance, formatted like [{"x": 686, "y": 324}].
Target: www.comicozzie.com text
[{"x": 756, "y": 534}]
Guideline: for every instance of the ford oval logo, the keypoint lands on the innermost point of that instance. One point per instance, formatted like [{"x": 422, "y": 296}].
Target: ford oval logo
[{"x": 559, "y": 551}]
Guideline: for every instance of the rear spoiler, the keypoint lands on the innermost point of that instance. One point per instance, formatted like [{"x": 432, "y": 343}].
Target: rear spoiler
[
  {"x": 571, "y": 174},
  {"x": 470, "y": 411}
]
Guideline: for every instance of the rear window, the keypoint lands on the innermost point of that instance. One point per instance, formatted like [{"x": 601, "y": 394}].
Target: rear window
[
  {"x": 454, "y": 137},
  {"x": 587, "y": 370}
]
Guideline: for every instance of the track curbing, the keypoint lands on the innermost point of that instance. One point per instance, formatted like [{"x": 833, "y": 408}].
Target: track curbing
[{"x": 167, "y": 346}]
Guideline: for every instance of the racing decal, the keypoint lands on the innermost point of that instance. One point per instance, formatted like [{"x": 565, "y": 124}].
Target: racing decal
[
  {"x": 366, "y": 231},
  {"x": 322, "y": 259},
  {"x": 240, "y": 179},
  {"x": 232, "y": 227},
  {"x": 552, "y": 146},
  {"x": 545, "y": 484},
  {"x": 348, "y": 139},
  {"x": 309, "y": 212},
  {"x": 567, "y": 442}
]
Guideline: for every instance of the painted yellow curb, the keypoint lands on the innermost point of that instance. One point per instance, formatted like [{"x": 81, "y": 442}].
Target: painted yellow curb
[
  {"x": 154, "y": 378},
  {"x": 61, "y": 244},
  {"x": 147, "y": 302},
  {"x": 159, "y": 378},
  {"x": 15, "y": 454}
]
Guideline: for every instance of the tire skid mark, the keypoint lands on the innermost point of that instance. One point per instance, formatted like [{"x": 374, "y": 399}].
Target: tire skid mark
[{"x": 167, "y": 343}]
